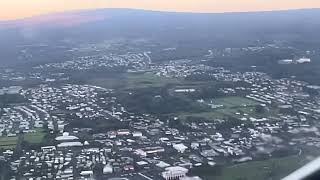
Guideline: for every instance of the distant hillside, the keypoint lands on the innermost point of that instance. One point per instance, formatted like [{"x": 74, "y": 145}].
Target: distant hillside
[{"x": 192, "y": 29}]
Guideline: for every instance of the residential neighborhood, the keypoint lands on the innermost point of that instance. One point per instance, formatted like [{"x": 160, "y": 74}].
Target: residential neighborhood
[{"x": 69, "y": 130}]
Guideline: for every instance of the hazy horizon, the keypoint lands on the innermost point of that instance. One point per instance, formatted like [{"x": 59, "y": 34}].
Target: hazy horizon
[{"x": 10, "y": 10}]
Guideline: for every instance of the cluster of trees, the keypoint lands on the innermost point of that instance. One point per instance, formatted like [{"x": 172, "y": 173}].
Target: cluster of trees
[
  {"x": 5, "y": 170},
  {"x": 99, "y": 125},
  {"x": 7, "y": 99},
  {"x": 178, "y": 124},
  {"x": 206, "y": 171},
  {"x": 11, "y": 99},
  {"x": 157, "y": 101}
]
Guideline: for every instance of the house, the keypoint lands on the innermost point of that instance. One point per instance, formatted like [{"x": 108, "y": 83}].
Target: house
[
  {"x": 123, "y": 132},
  {"x": 180, "y": 147},
  {"x": 107, "y": 169},
  {"x": 149, "y": 150}
]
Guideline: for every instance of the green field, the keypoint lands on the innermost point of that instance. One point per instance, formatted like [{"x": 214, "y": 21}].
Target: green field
[
  {"x": 259, "y": 170},
  {"x": 34, "y": 138},
  {"x": 133, "y": 81},
  {"x": 107, "y": 82},
  {"x": 235, "y": 101},
  {"x": 231, "y": 105},
  {"x": 8, "y": 142},
  {"x": 145, "y": 80}
]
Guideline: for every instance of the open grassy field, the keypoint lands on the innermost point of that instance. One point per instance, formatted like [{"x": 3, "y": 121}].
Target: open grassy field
[
  {"x": 8, "y": 142},
  {"x": 34, "y": 138},
  {"x": 235, "y": 101},
  {"x": 231, "y": 106},
  {"x": 145, "y": 80},
  {"x": 210, "y": 116},
  {"x": 107, "y": 82},
  {"x": 133, "y": 80},
  {"x": 276, "y": 168}
]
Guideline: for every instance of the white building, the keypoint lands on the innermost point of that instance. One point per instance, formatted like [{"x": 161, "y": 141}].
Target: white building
[
  {"x": 149, "y": 150},
  {"x": 86, "y": 173},
  {"x": 66, "y": 137},
  {"x": 175, "y": 172},
  {"x": 123, "y": 132},
  {"x": 137, "y": 134},
  {"x": 180, "y": 147},
  {"x": 303, "y": 60},
  {"x": 67, "y": 140},
  {"x": 107, "y": 169},
  {"x": 184, "y": 90},
  {"x": 191, "y": 178},
  {"x": 70, "y": 144},
  {"x": 48, "y": 148}
]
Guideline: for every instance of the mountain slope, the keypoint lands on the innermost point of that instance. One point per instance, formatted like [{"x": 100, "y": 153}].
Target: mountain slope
[
  {"x": 188, "y": 29},
  {"x": 119, "y": 21}
]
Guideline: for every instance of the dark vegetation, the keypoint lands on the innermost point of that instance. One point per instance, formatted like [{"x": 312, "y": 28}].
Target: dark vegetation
[
  {"x": 7, "y": 99},
  {"x": 99, "y": 125},
  {"x": 12, "y": 99},
  {"x": 157, "y": 101},
  {"x": 206, "y": 170}
]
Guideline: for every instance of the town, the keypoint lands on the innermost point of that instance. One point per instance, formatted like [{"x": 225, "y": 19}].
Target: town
[{"x": 62, "y": 128}]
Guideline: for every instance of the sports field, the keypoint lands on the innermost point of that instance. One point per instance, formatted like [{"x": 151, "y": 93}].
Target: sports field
[
  {"x": 230, "y": 107},
  {"x": 8, "y": 142},
  {"x": 33, "y": 138}
]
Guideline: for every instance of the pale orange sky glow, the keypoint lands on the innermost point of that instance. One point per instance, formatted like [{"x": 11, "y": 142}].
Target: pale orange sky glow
[{"x": 15, "y": 9}]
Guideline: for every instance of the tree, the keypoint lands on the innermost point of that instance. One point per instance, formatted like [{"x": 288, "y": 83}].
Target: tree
[
  {"x": 206, "y": 170},
  {"x": 4, "y": 133},
  {"x": 260, "y": 109}
]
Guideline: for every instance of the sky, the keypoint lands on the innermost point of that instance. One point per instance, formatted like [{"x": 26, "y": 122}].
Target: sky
[{"x": 16, "y": 9}]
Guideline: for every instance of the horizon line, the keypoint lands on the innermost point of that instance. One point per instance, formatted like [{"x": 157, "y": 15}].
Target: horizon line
[{"x": 152, "y": 10}]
